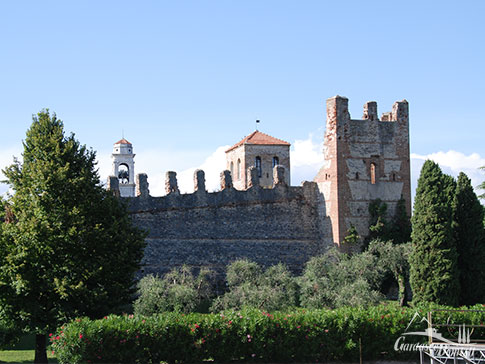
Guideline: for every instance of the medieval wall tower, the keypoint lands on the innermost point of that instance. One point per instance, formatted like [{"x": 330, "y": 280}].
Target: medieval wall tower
[
  {"x": 124, "y": 167},
  {"x": 262, "y": 151},
  {"x": 365, "y": 160},
  {"x": 256, "y": 214}
]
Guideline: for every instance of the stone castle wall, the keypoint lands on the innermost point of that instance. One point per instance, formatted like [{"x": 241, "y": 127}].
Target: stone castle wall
[
  {"x": 201, "y": 229},
  {"x": 365, "y": 160}
]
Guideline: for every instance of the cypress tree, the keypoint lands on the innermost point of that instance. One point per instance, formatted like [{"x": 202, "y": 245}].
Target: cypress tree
[
  {"x": 434, "y": 268},
  {"x": 469, "y": 236}
]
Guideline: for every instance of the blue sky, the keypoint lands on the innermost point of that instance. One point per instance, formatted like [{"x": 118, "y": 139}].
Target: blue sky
[{"x": 183, "y": 79}]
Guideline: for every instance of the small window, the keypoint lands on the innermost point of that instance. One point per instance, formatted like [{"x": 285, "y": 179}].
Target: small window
[
  {"x": 276, "y": 161},
  {"x": 356, "y": 175},
  {"x": 373, "y": 173},
  {"x": 232, "y": 169},
  {"x": 394, "y": 176},
  {"x": 238, "y": 169},
  {"x": 258, "y": 166}
]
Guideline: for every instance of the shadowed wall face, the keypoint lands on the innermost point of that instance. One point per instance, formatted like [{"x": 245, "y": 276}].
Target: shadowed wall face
[{"x": 210, "y": 230}]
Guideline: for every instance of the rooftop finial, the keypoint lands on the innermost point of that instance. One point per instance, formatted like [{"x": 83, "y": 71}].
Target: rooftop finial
[{"x": 257, "y": 122}]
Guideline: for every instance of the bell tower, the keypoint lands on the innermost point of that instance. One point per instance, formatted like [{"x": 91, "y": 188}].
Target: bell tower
[{"x": 124, "y": 167}]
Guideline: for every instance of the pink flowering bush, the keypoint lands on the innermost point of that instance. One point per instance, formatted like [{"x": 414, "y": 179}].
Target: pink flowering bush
[{"x": 246, "y": 335}]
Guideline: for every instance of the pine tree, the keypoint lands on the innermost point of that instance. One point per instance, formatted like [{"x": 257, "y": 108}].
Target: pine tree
[
  {"x": 434, "y": 268},
  {"x": 470, "y": 241},
  {"x": 68, "y": 248}
]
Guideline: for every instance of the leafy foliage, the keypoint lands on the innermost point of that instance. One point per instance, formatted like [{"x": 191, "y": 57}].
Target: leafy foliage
[
  {"x": 249, "y": 335},
  {"x": 400, "y": 231},
  {"x": 469, "y": 236},
  {"x": 273, "y": 289},
  {"x": 481, "y": 186},
  {"x": 177, "y": 291},
  {"x": 394, "y": 258},
  {"x": 378, "y": 226},
  {"x": 336, "y": 279},
  {"x": 352, "y": 237},
  {"x": 68, "y": 247},
  {"x": 434, "y": 268}
]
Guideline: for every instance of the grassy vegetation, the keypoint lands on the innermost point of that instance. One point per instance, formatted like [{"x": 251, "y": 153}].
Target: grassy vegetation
[
  {"x": 21, "y": 356},
  {"x": 22, "y": 352}
]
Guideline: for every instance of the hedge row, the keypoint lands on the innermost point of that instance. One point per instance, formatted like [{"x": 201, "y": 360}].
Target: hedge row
[{"x": 248, "y": 335}]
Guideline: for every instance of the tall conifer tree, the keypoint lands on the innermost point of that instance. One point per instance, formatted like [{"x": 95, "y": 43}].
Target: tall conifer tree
[
  {"x": 434, "y": 269},
  {"x": 470, "y": 244},
  {"x": 67, "y": 245}
]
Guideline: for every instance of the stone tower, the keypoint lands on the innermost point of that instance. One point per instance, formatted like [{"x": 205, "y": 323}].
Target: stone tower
[
  {"x": 365, "y": 160},
  {"x": 124, "y": 167},
  {"x": 261, "y": 151}
]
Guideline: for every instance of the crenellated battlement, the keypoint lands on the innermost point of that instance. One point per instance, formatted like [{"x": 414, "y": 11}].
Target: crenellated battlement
[
  {"x": 227, "y": 196},
  {"x": 266, "y": 225},
  {"x": 256, "y": 214},
  {"x": 338, "y": 108}
]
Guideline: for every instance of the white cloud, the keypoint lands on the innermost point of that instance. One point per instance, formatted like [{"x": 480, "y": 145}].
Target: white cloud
[
  {"x": 212, "y": 166},
  {"x": 452, "y": 163},
  {"x": 156, "y": 162},
  {"x": 306, "y": 158}
]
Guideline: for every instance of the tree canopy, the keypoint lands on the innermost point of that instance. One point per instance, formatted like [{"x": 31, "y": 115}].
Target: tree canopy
[
  {"x": 469, "y": 236},
  {"x": 434, "y": 268},
  {"x": 68, "y": 247}
]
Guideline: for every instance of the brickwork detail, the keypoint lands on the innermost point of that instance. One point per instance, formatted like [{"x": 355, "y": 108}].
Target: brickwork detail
[{"x": 365, "y": 160}]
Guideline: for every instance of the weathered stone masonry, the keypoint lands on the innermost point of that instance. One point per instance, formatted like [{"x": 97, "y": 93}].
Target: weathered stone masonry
[
  {"x": 212, "y": 229},
  {"x": 364, "y": 160}
]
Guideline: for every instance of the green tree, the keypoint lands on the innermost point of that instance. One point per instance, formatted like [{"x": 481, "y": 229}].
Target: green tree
[
  {"x": 352, "y": 237},
  {"x": 481, "y": 186},
  {"x": 271, "y": 290},
  {"x": 378, "y": 225},
  {"x": 68, "y": 247},
  {"x": 400, "y": 230},
  {"x": 395, "y": 259},
  {"x": 434, "y": 268},
  {"x": 470, "y": 241},
  {"x": 338, "y": 279},
  {"x": 177, "y": 291}
]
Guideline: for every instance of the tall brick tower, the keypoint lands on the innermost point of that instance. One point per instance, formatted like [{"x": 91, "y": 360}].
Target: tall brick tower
[{"x": 365, "y": 160}]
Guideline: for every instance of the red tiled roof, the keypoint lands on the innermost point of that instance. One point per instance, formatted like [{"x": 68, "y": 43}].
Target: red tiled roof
[
  {"x": 259, "y": 138},
  {"x": 123, "y": 141}
]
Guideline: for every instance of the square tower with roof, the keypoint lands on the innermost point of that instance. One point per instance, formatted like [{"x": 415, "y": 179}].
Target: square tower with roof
[{"x": 263, "y": 152}]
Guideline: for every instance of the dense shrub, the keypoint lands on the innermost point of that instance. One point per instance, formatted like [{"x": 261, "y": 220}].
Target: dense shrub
[
  {"x": 273, "y": 289},
  {"x": 248, "y": 335},
  {"x": 337, "y": 279},
  {"x": 177, "y": 291}
]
